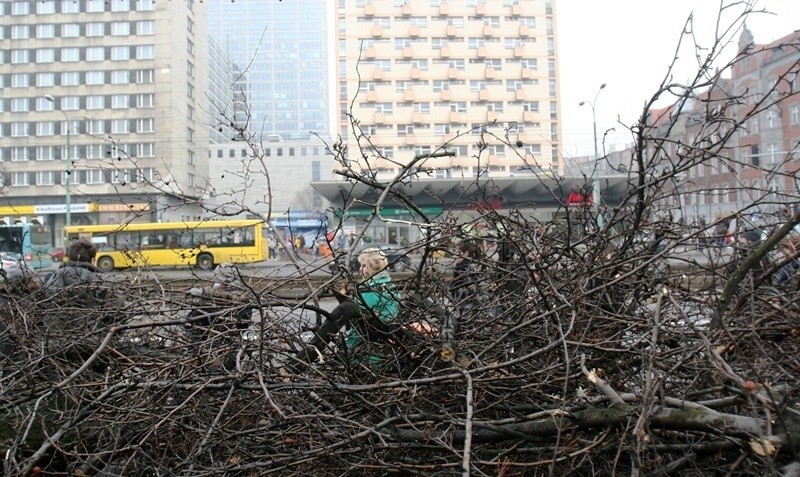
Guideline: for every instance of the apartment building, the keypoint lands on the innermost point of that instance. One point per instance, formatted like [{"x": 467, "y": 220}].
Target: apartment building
[
  {"x": 103, "y": 110},
  {"x": 478, "y": 78}
]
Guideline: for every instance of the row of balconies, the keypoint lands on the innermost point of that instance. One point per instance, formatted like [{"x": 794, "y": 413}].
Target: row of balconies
[
  {"x": 449, "y": 31},
  {"x": 494, "y": 94},
  {"x": 459, "y": 74},
  {"x": 409, "y": 52},
  {"x": 490, "y": 8},
  {"x": 417, "y": 117}
]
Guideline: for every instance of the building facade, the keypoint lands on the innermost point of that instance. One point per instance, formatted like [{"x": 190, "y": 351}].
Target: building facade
[
  {"x": 281, "y": 50},
  {"x": 103, "y": 110},
  {"x": 476, "y": 78}
]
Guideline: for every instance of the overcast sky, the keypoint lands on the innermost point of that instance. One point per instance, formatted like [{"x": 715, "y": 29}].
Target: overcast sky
[{"x": 629, "y": 44}]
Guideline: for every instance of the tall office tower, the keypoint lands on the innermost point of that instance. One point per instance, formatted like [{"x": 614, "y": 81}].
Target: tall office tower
[
  {"x": 423, "y": 74},
  {"x": 281, "y": 49},
  {"x": 104, "y": 110}
]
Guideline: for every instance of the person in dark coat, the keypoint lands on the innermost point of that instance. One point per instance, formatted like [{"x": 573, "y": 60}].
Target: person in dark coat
[{"x": 79, "y": 270}]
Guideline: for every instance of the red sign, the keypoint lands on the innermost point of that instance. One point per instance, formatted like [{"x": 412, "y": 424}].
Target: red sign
[{"x": 578, "y": 199}]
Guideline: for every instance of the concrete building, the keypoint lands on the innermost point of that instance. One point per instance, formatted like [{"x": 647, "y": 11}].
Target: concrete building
[
  {"x": 257, "y": 179},
  {"x": 477, "y": 78},
  {"x": 104, "y": 110}
]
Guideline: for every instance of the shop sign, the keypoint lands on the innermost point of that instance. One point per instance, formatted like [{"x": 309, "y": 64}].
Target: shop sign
[
  {"x": 389, "y": 212},
  {"x": 136, "y": 207},
  {"x": 62, "y": 208}
]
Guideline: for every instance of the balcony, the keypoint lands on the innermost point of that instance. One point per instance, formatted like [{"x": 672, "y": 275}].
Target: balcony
[
  {"x": 447, "y": 95},
  {"x": 414, "y": 31},
  {"x": 445, "y": 52},
  {"x": 525, "y": 31},
  {"x": 481, "y": 53},
  {"x": 409, "y": 95},
  {"x": 452, "y": 31},
  {"x": 480, "y": 9},
  {"x": 488, "y": 30},
  {"x": 520, "y": 95},
  {"x": 369, "y": 10},
  {"x": 528, "y": 73},
  {"x": 370, "y": 53},
  {"x": 377, "y": 31},
  {"x": 444, "y": 10},
  {"x": 416, "y": 73},
  {"x": 379, "y": 118},
  {"x": 455, "y": 117},
  {"x": 518, "y": 10},
  {"x": 378, "y": 73},
  {"x": 483, "y": 95},
  {"x": 406, "y": 9},
  {"x": 490, "y": 73},
  {"x": 519, "y": 51},
  {"x": 408, "y": 52},
  {"x": 418, "y": 117},
  {"x": 529, "y": 116},
  {"x": 372, "y": 95},
  {"x": 454, "y": 73},
  {"x": 491, "y": 116}
]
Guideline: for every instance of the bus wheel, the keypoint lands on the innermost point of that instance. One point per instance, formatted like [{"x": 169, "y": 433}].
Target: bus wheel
[
  {"x": 205, "y": 261},
  {"x": 105, "y": 264}
]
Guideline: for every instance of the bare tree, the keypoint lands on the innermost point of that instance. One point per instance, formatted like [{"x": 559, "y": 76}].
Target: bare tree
[{"x": 578, "y": 349}]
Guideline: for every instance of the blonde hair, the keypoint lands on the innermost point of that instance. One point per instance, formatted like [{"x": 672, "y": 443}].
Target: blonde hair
[{"x": 374, "y": 259}]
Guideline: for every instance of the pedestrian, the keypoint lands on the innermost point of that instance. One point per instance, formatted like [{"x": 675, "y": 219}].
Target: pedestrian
[
  {"x": 789, "y": 248},
  {"x": 79, "y": 270},
  {"x": 273, "y": 247}
]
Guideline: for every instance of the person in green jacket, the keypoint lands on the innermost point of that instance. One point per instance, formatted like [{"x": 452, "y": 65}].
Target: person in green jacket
[{"x": 369, "y": 317}]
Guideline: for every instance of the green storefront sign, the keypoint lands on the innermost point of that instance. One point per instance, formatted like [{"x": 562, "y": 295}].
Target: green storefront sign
[{"x": 430, "y": 211}]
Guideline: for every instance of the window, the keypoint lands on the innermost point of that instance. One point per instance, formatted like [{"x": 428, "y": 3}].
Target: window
[
  {"x": 70, "y": 6},
  {"x": 95, "y": 126},
  {"x": 494, "y": 63},
  {"x": 44, "y": 104},
  {"x": 513, "y": 85},
  {"x": 45, "y": 153},
  {"x": 95, "y": 6},
  {"x": 95, "y": 176},
  {"x": 145, "y": 5},
  {"x": 69, "y": 55},
  {"x": 45, "y": 178},
  {"x": 70, "y": 30},
  {"x": 95, "y": 77},
  {"x": 70, "y": 78},
  {"x": 45, "y": 55},
  {"x": 145, "y": 52},
  {"x": 190, "y": 157},
  {"x": 144, "y": 76},
  {"x": 119, "y": 101},
  {"x": 421, "y": 64},
  {"x": 95, "y": 102},
  {"x": 458, "y": 106},
  {"x": 190, "y": 47},
  {"x": 20, "y": 8},
  {"x": 120, "y": 5},
  {"x": 45, "y": 31},
  {"x": 19, "y": 179},
  {"x": 95, "y": 53},
  {"x": 794, "y": 114},
  {"x": 146, "y": 149},
  {"x": 45, "y": 128},
  {"x": 19, "y": 32},
  {"x": 19, "y": 154},
  {"x": 94, "y": 151},
  {"x": 120, "y": 53},
  {"x": 120, "y": 28},
  {"x": 70, "y": 103},
  {"x": 19, "y": 105},
  {"x": 19, "y": 80},
  {"x": 95, "y": 29},
  {"x": 120, "y": 77},
  {"x": 146, "y": 27},
  {"x": 146, "y": 125},
  {"x": 19, "y": 129},
  {"x": 120, "y": 126},
  {"x": 19, "y": 56},
  {"x": 44, "y": 7},
  {"x": 385, "y": 108}
]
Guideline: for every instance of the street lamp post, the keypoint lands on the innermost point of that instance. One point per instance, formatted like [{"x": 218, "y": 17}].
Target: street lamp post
[
  {"x": 67, "y": 185},
  {"x": 595, "y": 175}
]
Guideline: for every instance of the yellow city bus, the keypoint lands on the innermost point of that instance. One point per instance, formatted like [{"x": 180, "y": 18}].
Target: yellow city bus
[{"x": 202, "y": 244}]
